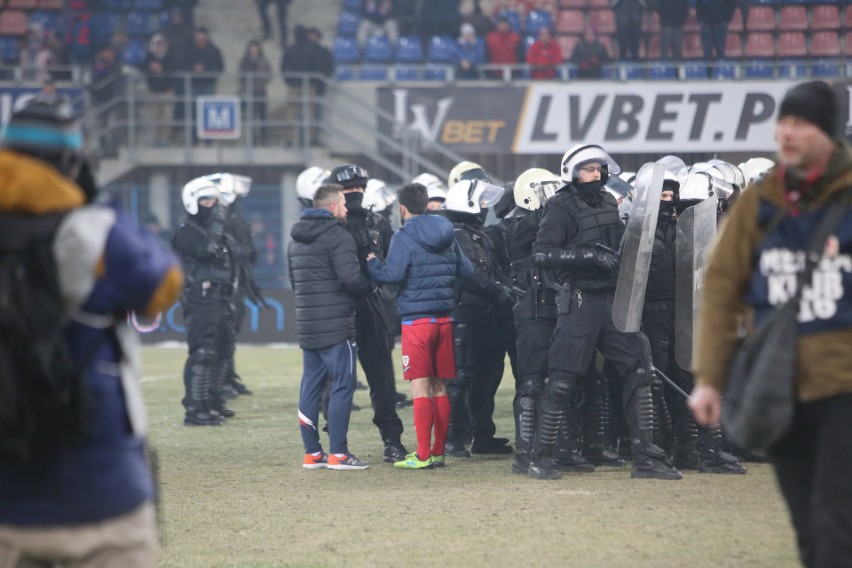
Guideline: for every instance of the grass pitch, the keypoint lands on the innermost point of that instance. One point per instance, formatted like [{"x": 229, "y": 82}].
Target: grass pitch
[{"x": 236, "y": 495}]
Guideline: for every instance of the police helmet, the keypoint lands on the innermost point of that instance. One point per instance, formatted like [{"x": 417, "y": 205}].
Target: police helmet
[
  {"x": 197, "y": 189},
  {"x": 755, "y": 169},
  {"x": 534, "y": 187},
  {"x": 435, "y": 188},
  {"x": 472, "y": 196},
  {"x": 349, "y": 176},
  {"x": 581, "y": 154},
  {"x": 231, "y": 186},
  {"x": 309, "y": 181},
  {"x": 466, "y": 170},
  {"x": 378, "y": 196}
]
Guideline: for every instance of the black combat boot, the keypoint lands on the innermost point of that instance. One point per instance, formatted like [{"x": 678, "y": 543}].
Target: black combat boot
[
  {"x": 394, "y": 450},
  {"x": 566, "y": 453},
  {"x": 524, "y": 433},
  {"x": 649, "y": 460},
  {"x": 596, "y": 448}
]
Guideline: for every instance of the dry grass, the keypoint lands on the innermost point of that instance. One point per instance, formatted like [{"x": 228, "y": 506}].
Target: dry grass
[{"x": 236, "y": 496}]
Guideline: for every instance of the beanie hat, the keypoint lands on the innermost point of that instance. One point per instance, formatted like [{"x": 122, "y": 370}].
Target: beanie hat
[{"x": 813, "y": 101}]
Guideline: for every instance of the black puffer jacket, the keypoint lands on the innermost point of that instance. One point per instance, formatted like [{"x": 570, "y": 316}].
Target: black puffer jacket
[{"x": 326, "y": 277}]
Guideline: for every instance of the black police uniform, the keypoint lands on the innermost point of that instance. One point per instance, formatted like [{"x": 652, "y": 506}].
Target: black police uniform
[
  {"x": 570, "y": 236},
  {"x": 372, "y": 233},
  {"x": 203, "y": 247}
]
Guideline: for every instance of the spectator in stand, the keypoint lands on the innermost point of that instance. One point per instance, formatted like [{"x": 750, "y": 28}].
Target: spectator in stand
[
  {"x": 503, "y": 46},
  {"x": 473, "y": 14},
  {"x": 255, "y": 74},
  {"x": 377, "y": 17},
  {"x": 35, "y": 56},
  {"x": 468, "y": 54},
  {"x": 544, "y": 56},
  {"x": 409, "y": 16},
  {"x": 589, "y": 56},
  {"x": 714, "y": 16},
  {"x": 440, "y": 17},
  {"x": 78, "y": 34},
  {"x": 119, "y": 41},
  {"x": 281, "y": 7},
  {"x": 673, "y": 14},
  {"x": 628, "y": 27},
  {"x": 206, "y": 62},
  {"x": 159, "y": 67},
  {"x": 179, "y": 36},
  {"x": 306, "y": 55}
]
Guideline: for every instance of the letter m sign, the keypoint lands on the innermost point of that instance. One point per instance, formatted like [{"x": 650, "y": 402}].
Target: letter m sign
[{"x": 217, "y": 118}]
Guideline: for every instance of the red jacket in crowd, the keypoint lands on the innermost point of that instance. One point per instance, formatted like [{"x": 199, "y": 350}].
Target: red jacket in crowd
[
  {"x": 503, "y": 47},
  {"x": 544, "y": 57}
]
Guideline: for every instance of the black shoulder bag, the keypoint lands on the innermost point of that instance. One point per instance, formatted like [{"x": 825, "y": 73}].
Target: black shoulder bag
[{"x": 759, "y": 401}]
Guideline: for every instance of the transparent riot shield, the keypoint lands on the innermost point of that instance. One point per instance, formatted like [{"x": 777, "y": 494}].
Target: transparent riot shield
[
  {"x": 696, "y": 233},
  {"x": 636, "y": 249}
]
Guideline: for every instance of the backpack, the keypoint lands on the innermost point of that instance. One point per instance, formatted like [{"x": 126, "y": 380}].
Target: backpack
[{"x": 42, "y": 394}]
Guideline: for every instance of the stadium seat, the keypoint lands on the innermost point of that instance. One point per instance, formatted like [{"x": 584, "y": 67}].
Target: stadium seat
[
  {"x": 630, "y": 71},
  {"x": 825, "y": 17},
  {"x": 537, "y": 19},
  {"x": 847, "y": 21},
  {"x": 599, "y": 4},
  {"x": 135, "y": 52},
  {"x": 760, "y": 45},
  {"x": 139, "y": 24},
  {"x": 792, "y": 69},
  {"x": 733, "y": 46},
  {"x": 527, "y": 42},
  {"x": 793, "y": 19},
  {"x": 406, "y": 74},
  {"x": 603, "y": 21},
  {"x": 571, "y": 22},
  {"x": 792, "y": 44},
  {"x": 649, "y": 47},
  {"x": 825, "y": 68},
  {"x": 692, "y": 47},
  {"x": 117, "y": 5},
  {"x": 435, "y": 73},
  {"x": 607, "y": 43},
  {"x": 346, "y": 50},
  {"x": 347, "y": 24},
  {"x": 102, "y": 24},
  {"x": 51, "y": 4},
  {"x": 761, "y": 19},
  {"x": 409, "y": 50},
  {"x": 567, "y": 45},
  {"x": 650, "y": 22},
  {"x": 514, "y": 19},
  {"x": 725, "y": 70},
  {"x": 22, "y": 4},
  {"x": 378, "y": 50},
  {"x": 148, "y": 5},
  {"x": 825, "y": 44},
  {"x": 442, "y": 49},
  {"x": 49, "y": 20},
  {"x": 735, "y": 25},
  {"x": 661, "y": 71},
  {"x": 374, "y": 73},
  {"x": 13, "y": 23},
  {"x": 352, "y": 5},
  {"x": 764, "y": 2},
  {"x": 695, "y": 70},
  {"x": 574, "y": 3},
  {"x": 9, "y": 49},
  {"x": 692, "y": 24},
  {"x": 758, "y": 69},
  {"x": 344, "y": 73},
  {"x": 795, "y": 2}
]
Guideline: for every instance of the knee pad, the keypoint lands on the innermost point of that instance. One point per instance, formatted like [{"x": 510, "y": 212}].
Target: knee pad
[{"x": 532, "y": 387}]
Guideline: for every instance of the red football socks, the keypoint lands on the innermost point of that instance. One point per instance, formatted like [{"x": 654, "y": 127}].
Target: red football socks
[
  {"x": 441, "y": 411},
  {"x": 423, "y": 426}
]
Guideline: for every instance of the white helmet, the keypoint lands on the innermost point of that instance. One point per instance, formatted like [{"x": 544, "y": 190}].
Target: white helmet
[
  {"x": 755, "y": 169},
  {"x": 722, "y": 178},
  {"x": 466, "y": 170},
  {"x": 434, "y": 186},
  {"x": 629, "y": 177},
  {"x": 698, "y": 187},
  {"x": 583, "y": 153},
  {"x": 196, "y": 189},
  {"x": 377, "y": 195},
  {"x": 473, "y": 195},
  {"x": 309, "y": 182},
  {"x": 231, "y": 186},
  {"x": 534, "y": 187},
  {"x": 732, "y": 173}
]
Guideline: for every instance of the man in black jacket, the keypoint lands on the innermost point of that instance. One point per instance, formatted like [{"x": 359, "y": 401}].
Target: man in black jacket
[
  {"x": 306, "y": 55},
  {"x": 326, "y": 277}
]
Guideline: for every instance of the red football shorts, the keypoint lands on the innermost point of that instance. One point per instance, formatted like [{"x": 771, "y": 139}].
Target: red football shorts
[{"x": 427, "y": 349}]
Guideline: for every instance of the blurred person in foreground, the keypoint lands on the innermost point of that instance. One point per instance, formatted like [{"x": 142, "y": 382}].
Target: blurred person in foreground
[{"x": 757, "y": 271}]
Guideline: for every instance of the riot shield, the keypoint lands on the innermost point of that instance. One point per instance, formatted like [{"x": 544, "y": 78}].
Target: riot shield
[
  {"x": 696, "y": 232},
  {"x": 636, "y": 249}
]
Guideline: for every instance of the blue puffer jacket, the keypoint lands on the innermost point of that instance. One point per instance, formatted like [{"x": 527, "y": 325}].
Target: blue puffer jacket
[{"x": 426, "y": 260}]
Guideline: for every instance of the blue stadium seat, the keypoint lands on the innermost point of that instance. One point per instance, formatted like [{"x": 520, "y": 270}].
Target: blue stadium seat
[
  {"x": 764, "y": 2},
  {"x": 798, "y": 2},
  {"x": 139, "y": 24},
  {"x": 117, "y": 5},
  {"x": 825, "y": 68},
  {"x": 695, "y": 70},
  {"x": 378, "y": 50},
  {"x": 347, "y": 24},
  {"x": 792, "y": 69},
  {"x": 9, "y": 49},
  {"x": 135, "y": 53},
  {"x": 442, "y": 49},
  {"x": 537, "y": 19},
  {"x": 758, "y": 69},
  {"x": 661, "y": 71},
  {"x": 527, "y": 42},
  {"x": 352, "y": 5},
  {"x": 630, "y": 71},
  {"x": 47, "y": 20},
  {"x": 148, "y": 5},
  {"x": 409, "y": 50},
  {"x": 406, "y": 73},
  {"x": 346, "y": 50},
  {"x": 344, "y": 73},
  {"x": 724, "y": 70},
  {"x": 102, "y": 24},
  {"x": 513, "y": 17},
  {"x": 373, "y": 73},
  {"x": 435, "y": 73}
]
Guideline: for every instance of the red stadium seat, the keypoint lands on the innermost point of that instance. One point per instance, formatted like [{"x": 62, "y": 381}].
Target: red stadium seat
[
  {"x": 792, "y": 44},
  {"x": 13, "y": 23},
  {"x": 650, "y": 48},
  {"x": 847, "y": 44},
  {"x": 735, "y": 25},
  {"x": 607, "y": 43},
  {"x": 793, "y": 19},
  {"x": 574, "y": 3},
  {"x": 733, "y": 46},
  {"x": 760, "y": 45},
  {"x": 651, "y": 22},
  {"x": 761, "y": 19},
  {"x": 603, "y": 21},
  {"x": 22, "y": 4},
  {"x": 571, "y": 22},
  {"x": 599, "y": 3},
  {"x": 847, "y": 23},
  {"x": 692, "y": 48},
  {"x": 825, "y": 44},
  {"x": 825, "y": 17},
  {"x": 692, "y": 24},
  {"x": 567, "y": 43},
  {"x": 51, "y": 4}
]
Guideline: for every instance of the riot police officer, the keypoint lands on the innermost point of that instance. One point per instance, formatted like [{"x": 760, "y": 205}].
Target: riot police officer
[
  {"x": 204, "y": 250},
  {"x": 372, "y": 234},
  {"x": 473, "y": 321},
  {"x": 578, "y": 236}
]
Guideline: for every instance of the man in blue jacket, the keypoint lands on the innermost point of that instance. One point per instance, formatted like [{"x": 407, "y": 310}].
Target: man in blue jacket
[
  {"x": 425, "y": 260},
  {"x": 326, "y": 278}
]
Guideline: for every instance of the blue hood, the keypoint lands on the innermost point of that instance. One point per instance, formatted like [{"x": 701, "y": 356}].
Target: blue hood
[{"x": 433, "y": 232}]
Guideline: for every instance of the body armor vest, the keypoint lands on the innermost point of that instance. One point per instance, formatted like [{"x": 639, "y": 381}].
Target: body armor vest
[
  {"x": 476, "y": 246},
  {"x": 661, "y": 277}
]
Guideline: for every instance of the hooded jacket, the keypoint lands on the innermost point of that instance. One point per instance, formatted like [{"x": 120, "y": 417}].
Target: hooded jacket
[
  {"x": 425, "y": 258},
  {"x": 326, "y": 277}
]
